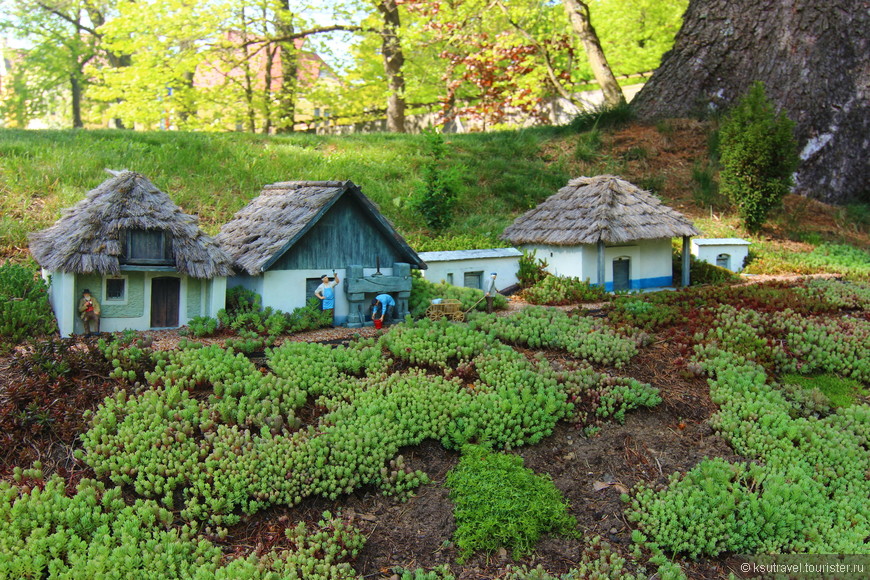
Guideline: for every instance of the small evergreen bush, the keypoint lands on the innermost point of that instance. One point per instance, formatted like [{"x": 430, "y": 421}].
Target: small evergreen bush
[
  {"x": 759, "y": 156},
  {"x": 531, "y": 270},
  {"x": 439, "y": 184}
]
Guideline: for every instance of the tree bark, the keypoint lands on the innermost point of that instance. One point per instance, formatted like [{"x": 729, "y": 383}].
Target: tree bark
[
  {"x": 578, "y": 14},
  {"x": 289, "y": 59},
  {"x": 813, "y": 59},
  {"x": 76, "y": 94},
  {"x": 394, "y": 60}
]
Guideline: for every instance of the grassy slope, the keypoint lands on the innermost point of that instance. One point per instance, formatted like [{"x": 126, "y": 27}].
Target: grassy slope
[
  {"x": 214, "y": 175},
  {"x": 500, "y": 175}
]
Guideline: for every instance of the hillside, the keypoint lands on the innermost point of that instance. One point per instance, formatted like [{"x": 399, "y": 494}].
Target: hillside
[{"x": 496, "y": 177}]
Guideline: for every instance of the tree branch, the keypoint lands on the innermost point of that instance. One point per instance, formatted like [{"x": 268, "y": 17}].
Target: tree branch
[
  {"x": 551, "y": 72},
  {"x": 70, "y": 19},
  {"x": 310, "y": 32}
]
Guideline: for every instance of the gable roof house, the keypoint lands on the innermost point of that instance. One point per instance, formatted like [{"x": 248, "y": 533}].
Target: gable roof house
[
  {"x": 605, "y": 230},
  {"x": 146, "y": 262},
  {"x": 286, "y": 239}
]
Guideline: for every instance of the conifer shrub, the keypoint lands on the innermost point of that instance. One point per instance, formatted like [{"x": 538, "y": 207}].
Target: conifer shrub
[{"x": 759, "y": 156}]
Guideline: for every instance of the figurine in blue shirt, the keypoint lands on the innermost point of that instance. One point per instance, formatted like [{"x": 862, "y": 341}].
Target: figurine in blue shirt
[{"x": 384, "y": 304}]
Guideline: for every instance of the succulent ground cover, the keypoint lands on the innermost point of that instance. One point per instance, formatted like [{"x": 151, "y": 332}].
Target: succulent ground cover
[{"x": 659, "y": 416}]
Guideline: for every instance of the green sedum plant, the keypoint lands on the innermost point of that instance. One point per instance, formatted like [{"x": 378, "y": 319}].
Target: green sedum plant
[{"x": 94, "y": 533}]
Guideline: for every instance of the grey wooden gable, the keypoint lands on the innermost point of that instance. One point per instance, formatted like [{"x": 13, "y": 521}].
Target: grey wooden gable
[{"x": 350, "y": 230}]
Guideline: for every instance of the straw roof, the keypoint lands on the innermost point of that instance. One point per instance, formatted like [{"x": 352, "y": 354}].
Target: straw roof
[
  {"x": 262, "y": 231},
  {"x": 89, "y": 237},
  {"x": 592, "y": 209}
]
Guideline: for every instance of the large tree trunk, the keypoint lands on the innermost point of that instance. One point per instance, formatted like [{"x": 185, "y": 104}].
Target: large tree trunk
[
  {"x": 814, "y": 58},
  {"x": 394, "y": 60},
  {"x": 578, "y": 13}
]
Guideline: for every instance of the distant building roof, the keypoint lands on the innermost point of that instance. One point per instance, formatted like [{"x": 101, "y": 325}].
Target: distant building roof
[
  {"x": 720, "y": 242},
  {"x": 602, "y": 208},
  {"x": 450, "y": 256}
]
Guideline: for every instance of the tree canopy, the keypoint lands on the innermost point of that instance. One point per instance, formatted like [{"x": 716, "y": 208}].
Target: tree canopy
[{"x": 256, "y": 65}]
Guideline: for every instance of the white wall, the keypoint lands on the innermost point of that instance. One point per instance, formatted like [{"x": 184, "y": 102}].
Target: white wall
[
  {"x": 709, "y": 253},
  {"x": 506, "y": 268},
  {"x": 63, "y": 300},
  {"x": 562, "y": 260},
  {"x": 650, "y": 262}
]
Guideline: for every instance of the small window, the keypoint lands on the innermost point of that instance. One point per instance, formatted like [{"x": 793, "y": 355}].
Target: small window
[
  {"x": 148, "y": 247},
  {"x": 450, "y": 278},
  {"x": 115, "y": 289},
  {"x": 473, "y": 280},
  {"x": 724, "y": 261}
]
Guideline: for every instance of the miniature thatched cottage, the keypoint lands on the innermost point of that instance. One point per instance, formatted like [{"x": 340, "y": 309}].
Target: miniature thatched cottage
[
  {"x": 146, "y": 262},
  {"x": 283, "y": 241},
  {"x": 605, "y": 230}
]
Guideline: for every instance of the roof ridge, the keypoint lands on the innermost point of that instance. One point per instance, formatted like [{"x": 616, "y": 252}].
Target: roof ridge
[{"x": 299, "y": 184}]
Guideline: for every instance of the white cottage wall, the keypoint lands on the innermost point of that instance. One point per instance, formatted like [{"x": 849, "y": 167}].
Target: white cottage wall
[
  {"x": 62, "y": 286},
  {"x": 506, "y": 268},
  {"x": 650, "y": 267},
  {"x": 565, "y": 261},
  {"x": 707, "y": 250}
]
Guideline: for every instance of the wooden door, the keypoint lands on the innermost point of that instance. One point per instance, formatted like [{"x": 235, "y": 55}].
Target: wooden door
[
  {"x": 165, "y": 298},
  {"x": 621, "y": 272}
]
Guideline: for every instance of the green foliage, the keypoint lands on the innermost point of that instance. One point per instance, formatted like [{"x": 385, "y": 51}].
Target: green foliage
[
  {"x": 93, "y": 533},
  {"x": 451, "y": 242},
  {"x": 201, "y": 326},
  {"x": 438, "y": 196},
  {"x": 222, "y": 438},
  {"x": 440, "y": 344},
  {"x": 759, "y": 156},
  {"x": 843, "y": 259},
  {"x": 705, "y": 188},
  {"x": 700, "y": 272},
  {"x": 424, "y": 291},
  {"x": 257, "y": 329},
  {"x": 602, "y": 118},
  {"x": 24, "y": 308},
  {"x": 556, "y": 290},
  {"x": 801, "y": 493},
  {"x": 531, "y": 270},
  {"x": 837, "y": 391},
  {"x": 587, "y": 338},
  {"x": 500, "y": 503},
  {"x": 588, "y": 146}
]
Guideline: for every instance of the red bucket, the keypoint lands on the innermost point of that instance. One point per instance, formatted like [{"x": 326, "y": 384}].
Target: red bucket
[{"x": 379, "y": 323}]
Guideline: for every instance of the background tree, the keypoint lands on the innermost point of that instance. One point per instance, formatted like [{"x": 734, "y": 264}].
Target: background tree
[
  {"x": 758, "y": 156},
  {"x": 812, "y": 57},
  {"x": 63, "y": 43},
  {"x": 581, "y": 23}
]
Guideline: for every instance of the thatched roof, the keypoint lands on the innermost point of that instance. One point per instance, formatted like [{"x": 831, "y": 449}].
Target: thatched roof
[
  {"x": 88, "y": 238},
  {"x": 262, "y": 231},
  {"x": 592, "y": 209}
]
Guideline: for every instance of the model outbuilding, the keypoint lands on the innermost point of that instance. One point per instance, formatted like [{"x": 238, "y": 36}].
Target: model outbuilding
[
  {"x": 605, "y": 230},
  {"x": 146, "y": 262},
  {"x": 286, "y": 239}
]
